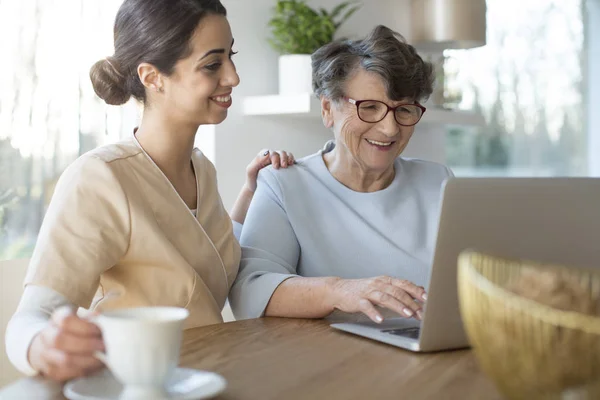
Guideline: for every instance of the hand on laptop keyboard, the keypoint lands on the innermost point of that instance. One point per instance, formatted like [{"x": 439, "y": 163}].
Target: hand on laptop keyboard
[{"x": 362, "y": 295}]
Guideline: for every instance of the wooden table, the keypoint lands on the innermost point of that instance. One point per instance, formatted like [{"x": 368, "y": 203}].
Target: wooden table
[{"x": 274, "y": 358}]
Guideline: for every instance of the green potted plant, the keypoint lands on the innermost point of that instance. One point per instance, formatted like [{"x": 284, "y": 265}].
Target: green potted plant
[{"x": 297, "y": 30}]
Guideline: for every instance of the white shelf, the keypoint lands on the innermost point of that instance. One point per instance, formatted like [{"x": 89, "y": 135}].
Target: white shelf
[
  {"x": 307, "y": 105},
  {"x": 300, "y": 105}
]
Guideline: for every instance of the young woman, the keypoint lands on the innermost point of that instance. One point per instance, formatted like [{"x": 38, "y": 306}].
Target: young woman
[{"x": 140, "y": 222}]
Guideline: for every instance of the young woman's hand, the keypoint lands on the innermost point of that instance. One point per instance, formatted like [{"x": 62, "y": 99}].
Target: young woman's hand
[
  {"x": 65, "y": 348},
  {"x": 279, "y": 159}
]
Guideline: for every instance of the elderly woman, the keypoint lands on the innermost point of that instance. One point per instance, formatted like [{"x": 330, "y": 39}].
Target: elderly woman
[{"x": 352, "y": 227}]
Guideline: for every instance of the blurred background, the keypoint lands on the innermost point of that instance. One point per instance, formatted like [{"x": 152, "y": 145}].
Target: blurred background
[{"x": 520, "y": 105}]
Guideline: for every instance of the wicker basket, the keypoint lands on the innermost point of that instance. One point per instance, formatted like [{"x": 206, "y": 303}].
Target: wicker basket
[{"x": 530, "y": 349}]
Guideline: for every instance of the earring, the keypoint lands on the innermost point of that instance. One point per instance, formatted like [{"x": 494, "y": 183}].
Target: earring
[{"x": 158, "y": 89}]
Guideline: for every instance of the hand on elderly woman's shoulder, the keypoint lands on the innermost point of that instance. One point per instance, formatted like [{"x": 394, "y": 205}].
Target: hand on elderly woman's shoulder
[
  {"x": 362, "y": 295},
  {"x": 279, "y": 159}
]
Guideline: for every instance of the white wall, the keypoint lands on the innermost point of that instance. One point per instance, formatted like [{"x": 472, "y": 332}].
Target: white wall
[{"x": 239, "y": 138}]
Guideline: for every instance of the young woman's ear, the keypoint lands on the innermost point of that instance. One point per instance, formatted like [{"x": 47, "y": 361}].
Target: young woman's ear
[{"x": 150, "y": 77}]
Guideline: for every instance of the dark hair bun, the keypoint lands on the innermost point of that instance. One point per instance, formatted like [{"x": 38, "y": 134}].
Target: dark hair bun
[{"x": 109, "y": 83}]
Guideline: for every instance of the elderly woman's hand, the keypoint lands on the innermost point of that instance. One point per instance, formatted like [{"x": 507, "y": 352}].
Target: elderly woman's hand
[
  {"x": 279, "y": 159},
  {"x": 362, "y": 295}
]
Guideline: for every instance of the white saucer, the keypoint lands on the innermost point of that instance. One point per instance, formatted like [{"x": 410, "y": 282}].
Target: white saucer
[{"x": 185, "y": 384}]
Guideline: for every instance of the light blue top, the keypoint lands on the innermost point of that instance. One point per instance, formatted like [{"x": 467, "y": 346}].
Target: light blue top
[{"x": 302, "y": 221}]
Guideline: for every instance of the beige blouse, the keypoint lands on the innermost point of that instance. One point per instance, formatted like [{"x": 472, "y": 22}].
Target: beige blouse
[{"x": 117, "y": 234}]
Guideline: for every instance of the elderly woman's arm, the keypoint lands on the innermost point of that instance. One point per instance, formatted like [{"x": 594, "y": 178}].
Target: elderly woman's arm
[
  {"x": 270, "y": 253},
  {"x": 268, "y": 283},
  {"x": 319, "y": 297},
  {"x": 301, "y": 297}
]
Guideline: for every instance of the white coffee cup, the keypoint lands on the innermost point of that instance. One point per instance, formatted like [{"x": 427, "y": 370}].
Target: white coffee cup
[{"x": 142, "y": 348}]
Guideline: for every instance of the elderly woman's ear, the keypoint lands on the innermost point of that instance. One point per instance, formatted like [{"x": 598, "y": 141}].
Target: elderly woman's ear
[{"x": 326, "y": 112}]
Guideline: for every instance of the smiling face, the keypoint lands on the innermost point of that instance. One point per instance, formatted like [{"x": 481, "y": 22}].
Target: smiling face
[
  {"x": 372, "y": 147},
  {"x": 199, "y": 90}
]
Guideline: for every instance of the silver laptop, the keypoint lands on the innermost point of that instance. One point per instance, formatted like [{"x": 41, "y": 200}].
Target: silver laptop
[{"x": 554, "y": 220}]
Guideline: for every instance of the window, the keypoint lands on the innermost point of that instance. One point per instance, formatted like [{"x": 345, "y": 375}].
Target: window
[
  {"x": 529, "y": 82},
  {"x": 49, "y": 114}
]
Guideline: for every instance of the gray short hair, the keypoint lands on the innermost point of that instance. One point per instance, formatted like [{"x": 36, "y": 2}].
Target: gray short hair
[{"x": 383, "y": 52}]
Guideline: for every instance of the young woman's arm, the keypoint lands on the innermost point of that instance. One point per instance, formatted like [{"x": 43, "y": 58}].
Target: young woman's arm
[
  {"x": 264, "y": 158},
  {"x": 33, "y": 315},
  {"x": 86, "y": 230}
]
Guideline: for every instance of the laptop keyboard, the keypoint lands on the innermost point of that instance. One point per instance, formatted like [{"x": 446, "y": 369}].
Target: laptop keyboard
[{"x": 411, "y": 333}]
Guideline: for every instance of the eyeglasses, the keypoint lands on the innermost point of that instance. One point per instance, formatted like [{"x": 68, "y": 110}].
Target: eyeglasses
[{"x": 373, "y": 111}]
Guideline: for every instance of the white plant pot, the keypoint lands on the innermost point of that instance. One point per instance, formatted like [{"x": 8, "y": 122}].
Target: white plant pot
[{"x": 295, "y": 74}]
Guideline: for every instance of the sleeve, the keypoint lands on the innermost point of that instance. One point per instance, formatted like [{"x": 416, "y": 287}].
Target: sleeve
[
  {"x": 270, "y": 250},
  {"x": 237, "y": 229},
  {"x": 85, "y": 231},
  {"x": 32, "y": 316}
]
